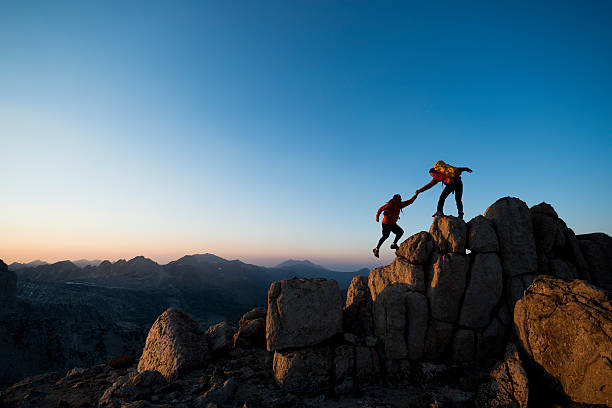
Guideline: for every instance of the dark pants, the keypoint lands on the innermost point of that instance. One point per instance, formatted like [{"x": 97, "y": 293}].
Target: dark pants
[
  {"x": 457, "y": 187},
  {"x": 387, "y": 229}
]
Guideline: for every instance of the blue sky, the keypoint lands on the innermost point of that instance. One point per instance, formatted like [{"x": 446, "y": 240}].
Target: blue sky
[{"x": 273, "y": 130}]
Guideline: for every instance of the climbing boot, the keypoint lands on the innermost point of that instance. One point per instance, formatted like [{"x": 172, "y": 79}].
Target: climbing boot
[
  {"x": 375, "y": 250},
  {"x": 394, "y": 246}
]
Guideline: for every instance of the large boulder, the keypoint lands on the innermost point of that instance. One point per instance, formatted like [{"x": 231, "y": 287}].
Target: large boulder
[
  {"x": 481, "y": 235},
  {"x": 417, "y": 249},
  {"x": 483, "y": 292},
  {"x": 446, "y": 286},
  {"x": 566, "y": 328},
  {"x": 302, "y": 312},
  {"x": 417, "y": 313},
  {"x": 399, "y": 271},
  {"x": 512, "y": 222},
  {"x": 390, "y": 320},
  {"x": 357, "y": 312},
  {"x": 8, "y": 284},
  {"x": 449, "y": 233},
  {"x": 597, "y": 250},
  {"x": 220, "y": 337},
  {"x": 508, "y": 386},
  {"x": 257, "y": 313},
  {"x": 304, "y": 370},
  {"x": 251, "y": 329},
  {"x": 175, "y": 344}
]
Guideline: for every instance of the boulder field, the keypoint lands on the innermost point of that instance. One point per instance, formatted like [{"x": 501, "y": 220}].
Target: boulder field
[{"x": 467, "y": 314}]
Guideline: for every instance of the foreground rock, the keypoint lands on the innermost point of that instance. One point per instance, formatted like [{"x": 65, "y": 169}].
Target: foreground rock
[
  {"x": 508, "y": 386},
  {"x": 175, "y": 344},
  {"x": 302, "y": 312},
  {"x": 566, "y": 328},
  {"x": 220, "y": 337}
]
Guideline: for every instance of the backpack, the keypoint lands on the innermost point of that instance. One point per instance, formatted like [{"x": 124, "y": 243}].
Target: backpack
[
  {"x": 387, "y": 212},
  {"x": 446, "y": 169}
]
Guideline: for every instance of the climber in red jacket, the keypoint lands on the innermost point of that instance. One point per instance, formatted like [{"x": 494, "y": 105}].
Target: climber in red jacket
[
  {"x": 452, "y": 185},
  {"x": 389, "y": 224}
]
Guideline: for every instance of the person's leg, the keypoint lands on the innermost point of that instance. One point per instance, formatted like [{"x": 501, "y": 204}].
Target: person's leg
[
  {"x": 458, "y": 195},
  {"x": 398, "y": 231},
  {"x": 447, "y": 190},
  {"x": 386, "y": 231}
]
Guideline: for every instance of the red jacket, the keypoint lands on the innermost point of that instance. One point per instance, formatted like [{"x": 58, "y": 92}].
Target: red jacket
[
  {"x": 393, "y": 211},
  {"x": 437, "y": 177}
]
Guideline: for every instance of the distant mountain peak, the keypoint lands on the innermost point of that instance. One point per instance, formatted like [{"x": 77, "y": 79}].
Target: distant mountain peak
[{"x": 292, "y": 263}]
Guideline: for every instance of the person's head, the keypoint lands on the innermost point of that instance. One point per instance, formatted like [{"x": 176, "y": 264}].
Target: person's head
[
  {"x": 397, "y": 198},
  {"x": 432, "y": 172}
]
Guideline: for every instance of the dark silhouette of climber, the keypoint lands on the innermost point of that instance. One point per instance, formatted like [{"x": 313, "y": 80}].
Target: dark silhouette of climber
[
  {"x": 451, "y": 177},
  {"x": 389, "y": 224}
]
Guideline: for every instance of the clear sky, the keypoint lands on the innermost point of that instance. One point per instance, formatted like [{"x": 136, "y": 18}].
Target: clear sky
[{"x": 271, "y": 130}]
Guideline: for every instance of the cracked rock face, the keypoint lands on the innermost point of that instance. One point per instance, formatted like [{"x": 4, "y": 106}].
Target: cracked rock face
[
  {"x": 566, "y": 328},
  {"x": 302, "y": 312}
]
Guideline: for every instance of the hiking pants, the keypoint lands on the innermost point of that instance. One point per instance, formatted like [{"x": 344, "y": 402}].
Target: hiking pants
[
  {"x": 386, "y": 231},
  {"x": 457, "y": 187}
]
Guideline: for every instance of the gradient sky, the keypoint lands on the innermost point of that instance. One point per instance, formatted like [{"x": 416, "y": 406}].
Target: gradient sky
[{"x": 273, "y": 130}]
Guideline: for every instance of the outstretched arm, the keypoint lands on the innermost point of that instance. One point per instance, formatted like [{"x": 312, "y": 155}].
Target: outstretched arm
[
  {"x": 462, "y": 169},
  {"x": 427, "y": 186},
  {"x": 408, "y": 202},
  {"x": 381, "y": 209}
]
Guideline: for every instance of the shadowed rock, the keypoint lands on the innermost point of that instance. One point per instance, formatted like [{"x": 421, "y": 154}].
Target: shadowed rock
[
  {"x": 512, "y": 222},
  {"x": 302, "y": 312},
  {"x": 445, "y": 289},
  {"x": 358, "y": 309},
  {"x": 481, "y": 235},
  {"x": 8, "y": 284},
  {"x": 566, "y": 328},
  {"x": 597, "y": 250},
  {"x": 175, "y": 344},
  {"x": 508, "y": 385},
  {"x": 483, "y": 292},
  {"x": 220, "y": 337},
  {"x": 303, "y": 370},
  {"x": 390, "y": 320}
]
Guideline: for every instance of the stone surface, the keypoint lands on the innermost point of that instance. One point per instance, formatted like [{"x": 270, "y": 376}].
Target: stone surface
[
  {"x": 303, "y": 370},
  {"x": 512, "y": 222},
  {"x": 221, "y": 394},
  {"x": 490, "y": 341},
  {"x": 132, "y": 387},
  {"x": 508, "y": 386},
  {"x": 399, "y": 271},
  {"x": 447, "y": 284},
  {"x": 367, "y": 368},
  {"x": 257, "y": 313},
  {"x": 481, "y": 235},
  {"x": 483, "y": 292},
  {"x": 175, "y": 344},
  {"x": 302, "y": 312},
  {"x": 417, "y": 249},
  {"x": 562, "y": 269},
  {"x": 417, "y": 312},
  {"x": 252, "y": 334},
  {"x": 449, "y": 233},
  {"x": 390, "y": 320},
  {"x": 597, "y": 251},
  {"x": 463, "y": 345},
  {"x": 220, "y": 337},
  {"x": 566, "y": 328},
  {"x": 357, "y": 313},
  {"x": 439, "y": 336}
]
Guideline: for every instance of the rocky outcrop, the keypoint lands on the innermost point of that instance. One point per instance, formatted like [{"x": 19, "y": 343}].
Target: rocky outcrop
[
  {"x": 559, "y": 251},
  {"x": 566, "y": 329},
  {"x": 132, "y": 387},
  {"x": 417, "y": 249},
  {"x": 399, "y": 271},
  {"x": 8, "y": 284},
  {"x": 175, "y": 344},
  {"x": 512, "y": 222},
  {"x": 449, "y": 233},
  {"x": 446, "y": 286},
  {"x": 357, "y": 313},
  {"x": 483, "y": 292},
  {"x": 597, "y": 251},
  {"x": 302, "y": 312},
  {"x": 508, "y": 386},
  {"x": 481, "y": 235}
]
